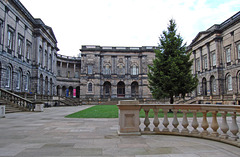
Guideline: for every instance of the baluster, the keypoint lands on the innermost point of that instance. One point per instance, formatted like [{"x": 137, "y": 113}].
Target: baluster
[
  {"x": 195, "y": 123},
  {"x": 214, "y": 124},
  {"x": 139, "y": 121},
  {"x": 156, "y": 120},
  {"x": 185, "y": 122},
  {"x": 175, "y": 122},
  {"x": 146, "y": 121},
  {"x": 204, "y": 123},
  {"x": 165, "y": 120},
  {"x": 224, "y": 126},
  {"x": 234, "y": 127}
]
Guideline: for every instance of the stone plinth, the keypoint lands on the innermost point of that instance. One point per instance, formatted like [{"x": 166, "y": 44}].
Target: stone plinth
[
  {"x": 38, "y": 106},
  {"x": 2, "y": 111},
  {"x": 128, "y": 117}
]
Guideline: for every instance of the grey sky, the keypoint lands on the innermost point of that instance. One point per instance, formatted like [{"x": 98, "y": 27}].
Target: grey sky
[{"x": 126, "y": 22}]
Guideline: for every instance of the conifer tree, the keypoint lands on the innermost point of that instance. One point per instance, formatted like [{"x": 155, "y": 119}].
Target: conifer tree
[{"x": 170, "y": 75}]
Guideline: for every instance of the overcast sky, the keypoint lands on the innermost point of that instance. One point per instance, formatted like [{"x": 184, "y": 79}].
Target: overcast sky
[{"x": 126, "y": 22}]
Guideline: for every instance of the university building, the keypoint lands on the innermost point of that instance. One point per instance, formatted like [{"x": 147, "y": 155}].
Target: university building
[
  {"x": 30, "y": 63},
  {"x": 216, "y": 62},
  {"x": 28, "y": 51}
]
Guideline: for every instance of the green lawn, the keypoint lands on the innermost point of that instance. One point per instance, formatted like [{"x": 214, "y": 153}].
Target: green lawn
[{"x": 111, "y": 111}]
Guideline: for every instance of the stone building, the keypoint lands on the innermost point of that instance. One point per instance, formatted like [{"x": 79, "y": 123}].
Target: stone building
[
  {"x": 216, "y": 56},
  {"x": 28, "y": 51},
  {"x": 68, "y": 76},
  {"x": 115, "y": 72}
]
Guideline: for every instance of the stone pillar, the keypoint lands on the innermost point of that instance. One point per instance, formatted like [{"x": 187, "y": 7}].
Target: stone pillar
[
  {"x": 208, "y": 56},
  {"x": 194, "y": 62},
  {"x": 218, "y": 52},
  {"x": 201, "y": 60},
  {"x": 128, "y": 117},
  {"x": 38, "y": 106},
  {"x": 15, "y": 50},
  {"x": 2, "y": 111},
  {"x": 49, "y": 62},
  {"x": 5, "y": 30}
]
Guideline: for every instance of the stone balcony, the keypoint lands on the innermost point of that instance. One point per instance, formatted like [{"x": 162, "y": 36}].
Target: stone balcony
[{"x": 224, "y": 128}]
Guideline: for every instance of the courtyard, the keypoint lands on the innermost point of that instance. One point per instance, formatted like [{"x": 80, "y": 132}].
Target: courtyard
[{"x": 48, "y": 133}]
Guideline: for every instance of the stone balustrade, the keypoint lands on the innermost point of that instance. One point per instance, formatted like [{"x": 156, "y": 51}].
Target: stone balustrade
[{"x": 222, "y": 125}]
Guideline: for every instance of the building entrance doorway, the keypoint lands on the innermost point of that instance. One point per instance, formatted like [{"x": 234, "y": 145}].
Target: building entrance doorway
[{"x": 121, "y": 89}]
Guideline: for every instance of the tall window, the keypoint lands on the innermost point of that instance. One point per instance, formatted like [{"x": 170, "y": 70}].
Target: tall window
[
  {"x": 229, "y": 82},
  {"x": 19, "y": 78},
  {"x": 228, "y": 55},
  {"x": 134, "y": 70},
  {"x": 50, "y": 62},
  {"x": 214, "y": 59},
  {"x": 205, "y": 62},
  {"x": 27, "y": 82},
  {"x": 198, "y": 64},
  {"x": 238, "y": 49},
  {"x": 40, "y": 55},
  {"x": 20, "y": 45},
  {"x": 28, "y": 51},
  {"x": 46, "y": 59},
  {"x": 213, "y": 84},
  {"x": 89, "y": 87},
  {"x": 90, "y": 69},
  {"x": 10, "y": 39},
  {"x": 8, "y": 76}
]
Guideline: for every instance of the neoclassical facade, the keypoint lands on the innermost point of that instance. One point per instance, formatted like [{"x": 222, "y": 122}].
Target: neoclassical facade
[
  {"x": 28, "y": 51},
  {"x": 68, "y": 76},
  {"x": 115, "y": 72},
  {"x": 216, "y": 56}
]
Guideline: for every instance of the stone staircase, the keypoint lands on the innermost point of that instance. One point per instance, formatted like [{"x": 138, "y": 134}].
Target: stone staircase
[{"x": 10, "y": 107}]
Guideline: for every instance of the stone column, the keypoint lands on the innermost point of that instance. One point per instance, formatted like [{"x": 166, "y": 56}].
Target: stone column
[
  {"x": 194, "y": 62},
  {"x": 201, "y": 60},
  {"x": 2, "y": 111},
  {"x": 5, "y": 30},
  {"x": 208, "y": 56},
  {"x": 15, "y": 50},
  {"x": 218, "y": 51},
  {"x": 49, "y": 62},
  {"x": 128, "y": 117}
]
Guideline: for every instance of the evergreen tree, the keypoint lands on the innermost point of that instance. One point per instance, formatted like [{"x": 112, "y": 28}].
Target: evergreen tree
[{"x": 170, "y": 75}]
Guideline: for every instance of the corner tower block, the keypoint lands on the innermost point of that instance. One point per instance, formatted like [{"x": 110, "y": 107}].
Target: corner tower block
[{"x": 128, "y": 117}]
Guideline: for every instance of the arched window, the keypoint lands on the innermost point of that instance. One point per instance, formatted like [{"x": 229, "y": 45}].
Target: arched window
[
  {"x": 8, "y": 76},
  {"x": 19, "y": 79},
  {"x": 229, "y": 82},
  {"x": 134, "y": 69},
  {"x": 27, "y": 82},
  {"x": 213, "y": 84},
  {"x": 90, "y": 87}
]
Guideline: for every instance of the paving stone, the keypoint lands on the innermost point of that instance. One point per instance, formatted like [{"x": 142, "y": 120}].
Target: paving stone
[{"x": 49, "y": 134}]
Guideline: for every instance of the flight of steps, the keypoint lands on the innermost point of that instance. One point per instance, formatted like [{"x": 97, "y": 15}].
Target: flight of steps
[{"x": 9, "y": 107}]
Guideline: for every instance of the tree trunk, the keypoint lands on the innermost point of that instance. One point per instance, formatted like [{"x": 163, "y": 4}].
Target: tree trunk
[{"x": 171, "y": 100}]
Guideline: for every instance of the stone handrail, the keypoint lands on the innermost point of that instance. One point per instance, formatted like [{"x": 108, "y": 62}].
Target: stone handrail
[
  {"x": 17, "y": 100},
  {"x": 224, "y": 128}
]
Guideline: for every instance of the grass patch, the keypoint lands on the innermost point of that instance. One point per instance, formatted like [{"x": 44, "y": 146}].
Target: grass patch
[{"x": 111, "y": 111}]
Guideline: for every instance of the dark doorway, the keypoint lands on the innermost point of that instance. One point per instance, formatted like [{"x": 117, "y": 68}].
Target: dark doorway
[{"x": 120, "y": 89}]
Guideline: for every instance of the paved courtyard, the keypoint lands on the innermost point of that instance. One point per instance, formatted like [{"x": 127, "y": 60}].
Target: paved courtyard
[{"x": 49, "y": 134}]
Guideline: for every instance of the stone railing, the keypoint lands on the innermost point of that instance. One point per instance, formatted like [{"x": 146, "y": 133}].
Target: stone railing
[
  {"x": 20, "y": 102},
  {"x": 224, "y": 128}
]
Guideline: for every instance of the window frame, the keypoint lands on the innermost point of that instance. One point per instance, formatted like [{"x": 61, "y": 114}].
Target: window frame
[
  {"x": 90, "y": 69},
  {"x": 213, "y": 59},
  {"x": 90, "y": 87},
  {"x": 229, "y": 82},
  {"x": 20, "y": 44},
  {"x": 10, "y": 38},
  {"x": 228, "y": 54},
  {"x": 8, "y": 76},
  {"x": 205, "y": 62}
]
